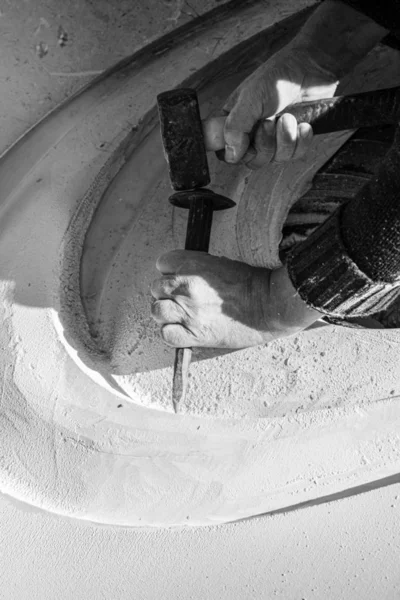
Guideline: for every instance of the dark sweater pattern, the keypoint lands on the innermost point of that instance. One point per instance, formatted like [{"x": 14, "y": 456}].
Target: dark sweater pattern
[{"x": 350, "y": 265}]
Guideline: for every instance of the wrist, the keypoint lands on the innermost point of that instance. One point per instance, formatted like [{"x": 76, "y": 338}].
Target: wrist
[
  {"x": 336, "y": 37},
  {"x": 292, "y": 312}
]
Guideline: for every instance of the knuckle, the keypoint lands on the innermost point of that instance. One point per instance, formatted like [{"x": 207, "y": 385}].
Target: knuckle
[
  {"x": 173, "y": 335},
  {"x": 196, "y": 287},
  {"x": 255, "y": 165},
  {"x": 154, "y": 288},
  {"x": 180, "y": 287},
  {"x": 169, "y": 261},
  {"x": 284, "y": 151},
  {"x": 161, "y": 311},
  {"x": 170, "y": 283},
  {"x": 176, "y": 285},
  {"x": 281, "y": 157},
  {"x": 300, "y": 151},
  {"x": 213, "y": 129},
  {"x": 156, "y": 309},
  {"x": 288, "y": 138},
  {"x": 162, "y": 261},
  {"x": 190, "y": 285},
  {"x": 287, "y": 129},
  {"x": 168, "y": 312}
]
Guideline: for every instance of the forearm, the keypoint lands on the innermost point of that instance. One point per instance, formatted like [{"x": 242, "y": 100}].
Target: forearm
[{"x": 338, "y": 36}]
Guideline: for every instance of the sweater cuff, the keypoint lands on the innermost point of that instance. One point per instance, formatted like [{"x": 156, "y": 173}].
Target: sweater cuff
[{"x": 327, "y": 279}]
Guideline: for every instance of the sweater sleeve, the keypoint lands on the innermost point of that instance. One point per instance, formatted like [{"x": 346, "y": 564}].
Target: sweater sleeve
[{"x": 350, "y": 265}]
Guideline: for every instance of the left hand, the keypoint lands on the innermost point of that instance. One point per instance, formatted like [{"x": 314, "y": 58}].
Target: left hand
[{"x": 215, "y": 302}]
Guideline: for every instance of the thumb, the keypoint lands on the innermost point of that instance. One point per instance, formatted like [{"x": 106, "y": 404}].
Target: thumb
[
  {"x": 178, "y": 335},
  {"x": 238, "y": 125},
  {"x": 246, "y": 107}
]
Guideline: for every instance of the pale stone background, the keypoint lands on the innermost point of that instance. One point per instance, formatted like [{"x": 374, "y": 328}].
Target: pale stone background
[{"x": 348, "y": 549}]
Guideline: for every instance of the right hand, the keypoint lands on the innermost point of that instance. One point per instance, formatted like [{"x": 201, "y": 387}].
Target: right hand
[
  {"x": 292, "y": 75},
  {"x": 215, "y": 302}
]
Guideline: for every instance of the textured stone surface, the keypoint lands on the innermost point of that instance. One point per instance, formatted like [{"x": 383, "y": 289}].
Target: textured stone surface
[
  {"x": 348, "y": 549},
  {"x": 37, "y": 73}
]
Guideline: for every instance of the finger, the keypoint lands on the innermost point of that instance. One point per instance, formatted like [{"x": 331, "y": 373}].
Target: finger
[
  {"x": 264, "y": 144},
  {"x": 178, "y": 336},
  {"x": 164, "y": 287},
  {"x": 286, "y": 138},
  {"x": 213, "y": 133},
  {"x": 304, "y": 140},
  {"x": 236, "y": 144},
  {"x": 249, "y": 156},
  {"x": 171, "y": 262},
  {"x": 180, "y": 261},
  {"x": 172, "y": 287},
  {"x": 167, "y": 311},
  {"x": 238, "y": 125}
]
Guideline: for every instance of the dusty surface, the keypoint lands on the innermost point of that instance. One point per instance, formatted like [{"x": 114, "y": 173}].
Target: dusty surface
[
  {"x": 348, "y": 549},
  {"x": 101, "y": 456},
  {"x": 344, "y": 550}
]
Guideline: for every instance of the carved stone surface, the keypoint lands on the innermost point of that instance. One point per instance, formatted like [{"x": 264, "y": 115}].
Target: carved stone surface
[{"x": 83, "y": 218}]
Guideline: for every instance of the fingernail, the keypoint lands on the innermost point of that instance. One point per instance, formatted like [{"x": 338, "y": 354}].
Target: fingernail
[
  {"x": 230, "y": 154},
  {"x": 307, "y": 133}
]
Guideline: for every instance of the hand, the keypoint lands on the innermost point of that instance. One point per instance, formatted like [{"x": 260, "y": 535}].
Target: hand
[
  {"x": 292, "y": 75},
  {"x": 204, "y": 300}
]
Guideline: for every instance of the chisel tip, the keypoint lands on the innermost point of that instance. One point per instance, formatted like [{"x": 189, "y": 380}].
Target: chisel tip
[{"x": 183, "y": 357}]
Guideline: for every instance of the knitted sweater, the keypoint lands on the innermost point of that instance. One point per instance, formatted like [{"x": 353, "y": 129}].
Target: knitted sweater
[{"x": 350, "y": 266}]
